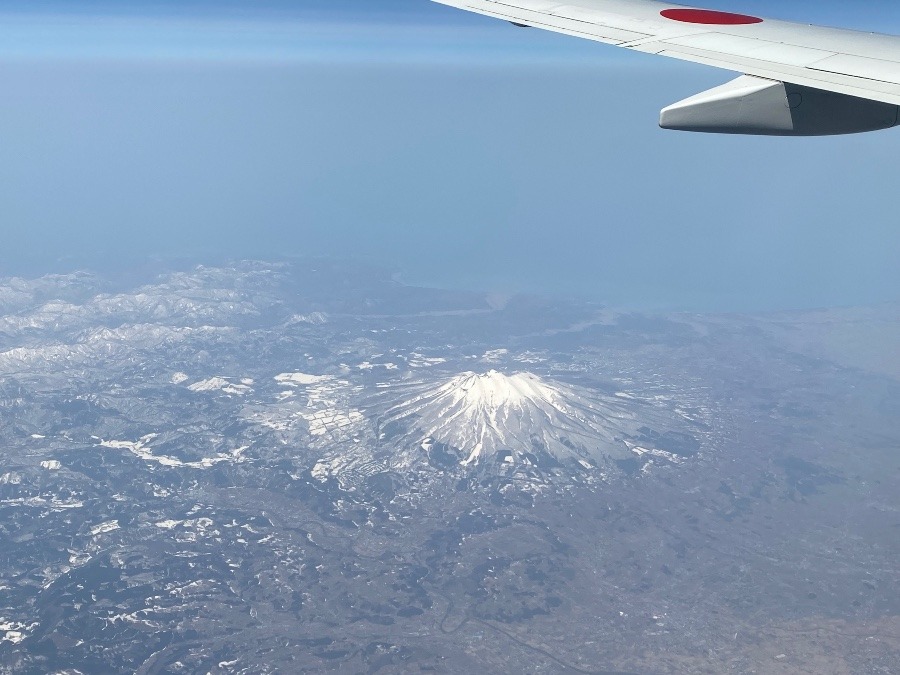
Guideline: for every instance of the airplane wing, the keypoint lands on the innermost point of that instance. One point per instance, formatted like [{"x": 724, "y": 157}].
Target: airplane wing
[{"x": 797, "y": 79}]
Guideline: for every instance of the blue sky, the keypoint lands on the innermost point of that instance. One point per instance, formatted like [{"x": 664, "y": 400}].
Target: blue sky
[
  {"x": 450, "y": 147},
  {"x": 327, "y": 29}
]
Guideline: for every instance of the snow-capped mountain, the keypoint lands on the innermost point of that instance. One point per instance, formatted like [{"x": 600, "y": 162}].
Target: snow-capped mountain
[{"x": 515, "y": 418}]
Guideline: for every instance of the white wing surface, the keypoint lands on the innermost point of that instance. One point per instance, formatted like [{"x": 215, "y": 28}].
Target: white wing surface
[{"x": 850, "y": 78}]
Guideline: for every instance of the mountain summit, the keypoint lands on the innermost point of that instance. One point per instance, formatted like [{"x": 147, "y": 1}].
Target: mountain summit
[{"x": 515, "y": 417}]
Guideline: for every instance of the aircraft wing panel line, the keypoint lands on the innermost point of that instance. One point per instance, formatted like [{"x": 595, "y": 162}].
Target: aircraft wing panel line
[
  {"x": 821, "y": 79},
  {"x": 753, "y": 48},
  {"x": 858, "y": 66},
  {"x": 568, "y": 26}
]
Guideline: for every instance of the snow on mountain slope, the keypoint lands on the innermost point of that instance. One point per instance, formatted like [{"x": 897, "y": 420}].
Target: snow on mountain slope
[
  {"x": 101, "y": 345},
  {"x": 202, "y": 296},
  {"x": 514, "y": 418}
]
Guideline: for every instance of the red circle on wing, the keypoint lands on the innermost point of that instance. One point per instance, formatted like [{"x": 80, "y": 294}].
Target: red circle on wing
[{"x": 709, "y": 17}]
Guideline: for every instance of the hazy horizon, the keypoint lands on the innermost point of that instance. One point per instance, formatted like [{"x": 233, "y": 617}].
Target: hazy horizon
[{"x": 448, "y": 147}]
